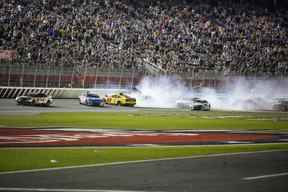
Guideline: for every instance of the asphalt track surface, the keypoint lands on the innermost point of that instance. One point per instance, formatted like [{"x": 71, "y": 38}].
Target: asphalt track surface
[
  {"x": 263, "y": 172},
  {"x": 250, "y": 172},
  {"x": 59, "y": 105}
]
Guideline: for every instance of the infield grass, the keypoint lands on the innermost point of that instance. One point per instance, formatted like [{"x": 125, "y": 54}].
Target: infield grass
[
  {"x": 13, "y": 159},
  {"x": 153, "y": 120},
  {"x": 143, "y": 119}
]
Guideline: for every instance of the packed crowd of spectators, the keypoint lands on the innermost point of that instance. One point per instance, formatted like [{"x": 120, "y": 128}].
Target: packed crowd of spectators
[{"x": 174, "y": 36}]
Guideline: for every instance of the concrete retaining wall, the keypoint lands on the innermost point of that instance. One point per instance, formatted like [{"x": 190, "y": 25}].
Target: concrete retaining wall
[{"x": 57, "y": 93}]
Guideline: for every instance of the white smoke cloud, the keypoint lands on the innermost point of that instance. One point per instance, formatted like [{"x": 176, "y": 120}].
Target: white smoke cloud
[
  {"x": 159, "y": 92},
  {"x": 237, "y": 94}
]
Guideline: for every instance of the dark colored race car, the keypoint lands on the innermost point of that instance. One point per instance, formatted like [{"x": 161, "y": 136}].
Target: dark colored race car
[
  {"x": 38, "y": 99},
  {"x": 281, "y": 104}
]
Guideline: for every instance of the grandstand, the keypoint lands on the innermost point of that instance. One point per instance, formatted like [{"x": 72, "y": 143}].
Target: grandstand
[{"x": 100, "y": 43}]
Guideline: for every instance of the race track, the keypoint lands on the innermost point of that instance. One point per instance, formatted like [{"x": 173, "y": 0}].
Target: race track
[
  {"x": 93, "y": 137},
  {"x": 249, "y": 172},
  {"x": 59, "y": 105},
  {"x": 80, "y": 137}
]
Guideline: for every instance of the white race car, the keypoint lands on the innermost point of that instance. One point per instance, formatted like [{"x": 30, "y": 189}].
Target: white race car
[
  {"x": 194, "y": 104},
  {"x": 39, "y": 99},
  {"x": 91, "y": 99}
]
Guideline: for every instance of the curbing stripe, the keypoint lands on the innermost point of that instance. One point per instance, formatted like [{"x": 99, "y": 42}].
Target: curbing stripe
[{"x": 61, "y": 190}]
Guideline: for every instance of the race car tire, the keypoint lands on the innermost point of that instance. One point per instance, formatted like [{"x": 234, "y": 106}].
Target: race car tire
[{"x": 48, "y": 104}]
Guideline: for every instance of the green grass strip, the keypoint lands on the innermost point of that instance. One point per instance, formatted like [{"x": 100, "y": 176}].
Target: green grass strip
[
  {"x": 35, "y": 158},
  {"x": 152, "y": 120}
]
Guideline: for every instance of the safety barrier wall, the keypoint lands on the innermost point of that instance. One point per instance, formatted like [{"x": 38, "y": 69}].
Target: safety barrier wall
[
  {"x": 57, "y": 93},
  {"x": 101, "y": 90}
]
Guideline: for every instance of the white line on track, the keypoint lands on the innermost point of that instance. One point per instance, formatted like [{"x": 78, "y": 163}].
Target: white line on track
[
  {"x": 61, "y": 190},
  {"x": 265, "y": 176},
  {"x": 137, "y": 161}
]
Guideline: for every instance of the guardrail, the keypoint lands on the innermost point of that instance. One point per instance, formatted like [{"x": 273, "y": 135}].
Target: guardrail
[
  {"x": 57, "y": 93},
  {"x": 101, "y": 89}
]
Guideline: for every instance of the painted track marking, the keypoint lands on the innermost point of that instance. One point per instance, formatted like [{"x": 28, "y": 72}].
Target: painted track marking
[
  {"x": 266, "y": 176},
  {"x": 61, "y": 190},
  {"x": 36, "y": 137},
  {"x": 136, "y": 161}
]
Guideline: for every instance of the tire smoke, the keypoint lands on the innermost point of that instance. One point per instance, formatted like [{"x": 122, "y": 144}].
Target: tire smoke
[{"x": 236, "y": 94}]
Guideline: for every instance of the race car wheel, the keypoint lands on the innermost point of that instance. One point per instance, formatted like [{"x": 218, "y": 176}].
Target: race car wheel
[{"x": 48, "y": 104}]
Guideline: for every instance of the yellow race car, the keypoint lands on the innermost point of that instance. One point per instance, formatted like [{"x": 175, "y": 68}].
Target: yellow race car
[{"x": 120, "y": 99}]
